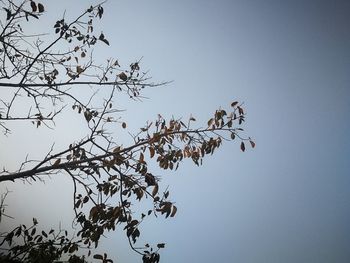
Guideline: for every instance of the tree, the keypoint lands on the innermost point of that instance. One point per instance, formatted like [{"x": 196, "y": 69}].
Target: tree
[{"x": 42, "y": 73}]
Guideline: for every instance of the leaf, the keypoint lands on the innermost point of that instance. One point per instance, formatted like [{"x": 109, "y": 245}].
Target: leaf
[
  {"x": 106, "y": 41},
  {"x": 33, "y": 6},
  {"x": 135, "y": 234},
  {"x": 87, "y": 115},
  {"x": 123, "y": 76},
  {"x": 86, "y": 199},
  {"x": 151, "y": 152},
  {"x": 98, "y": 256},
  {"x": 100, "y": 11},
  {"x": 167, "y": 209},
  {"x": 242, "y": 146},
  {"x": 124, "y": 125},
  {"x": 80, "y": 70},
  {"x": 160, "y": 245},
  {"x": 57, "y": 162},
  {"x": 233, "y": 104},
  {"x": 240, "y": 110},
  {"x": 142, "y": 158},
  {"x": 93, "y": 212},
  {"x": 103, "y": 39},
  {"x": 155, "y": 190},
  {"x": 173, "y": 211},
  {"x": 252, "y": 143},
  {"x": 8, "y": 13},
  {"x": 44, "y": 234},
  {"x": 77, "y": 204},
  {"x": 133, "y": 223},
  {"x": 116, "y": 211},
  {"x": 139, "y": 193},
  {"x": 166, "y": 194},
  {"x": 18, "y": 232},
  {"x": 41, "y": 8}
]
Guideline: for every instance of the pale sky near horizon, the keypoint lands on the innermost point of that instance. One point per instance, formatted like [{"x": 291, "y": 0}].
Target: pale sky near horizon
[{"x": 288, "y": 200}]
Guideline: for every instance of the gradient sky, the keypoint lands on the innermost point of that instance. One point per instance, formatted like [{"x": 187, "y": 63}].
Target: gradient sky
[{"x": 288, "y": 200}]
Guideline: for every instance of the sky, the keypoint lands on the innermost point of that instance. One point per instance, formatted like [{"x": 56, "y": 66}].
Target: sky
[{"x": 287, "y": 200}]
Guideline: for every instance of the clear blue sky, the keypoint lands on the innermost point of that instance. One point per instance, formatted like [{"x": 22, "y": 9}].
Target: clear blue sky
[{"x": 289, "y": 61}]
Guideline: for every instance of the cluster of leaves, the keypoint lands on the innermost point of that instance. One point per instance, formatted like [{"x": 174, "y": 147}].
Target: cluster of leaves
[
  {"x": 36, "y": 10},
  {"x": 43, "y": 74},
  {"x": 124, "y": 171},
  {"x": 108, "y": 182},
  {"x": 39, "y": 246},
  {"x": 108, "y": 178}
]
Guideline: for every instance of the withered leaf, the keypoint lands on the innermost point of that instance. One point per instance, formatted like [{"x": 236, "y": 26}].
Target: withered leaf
[
  {"x": 233, "y": 104},
  {"x": 98, "y": 256},
  {"x": 142, "y": 158},
  {"x": 151, "y": 151},
  {"x": 80, "y": 70},
  {"x": 242, "y": 146},
  {"x": 123, "y": 76},
  {"x": 173, "y": 211},
  {"x": 41, "y": 8},
  {"x": 160, "y": 245},
  {"x": 155, "y": 190},
  {"x": 252, "y": 144},
  {"x": 33, "y": 6},
  {"x": 57, "y": 162}
]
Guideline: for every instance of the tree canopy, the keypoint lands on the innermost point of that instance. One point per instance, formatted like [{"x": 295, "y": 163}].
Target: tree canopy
[{"x": 40, "y": 75}]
